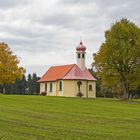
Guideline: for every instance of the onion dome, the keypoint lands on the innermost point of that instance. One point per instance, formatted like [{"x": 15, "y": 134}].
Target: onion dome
[{"x": 81, "y": 47}]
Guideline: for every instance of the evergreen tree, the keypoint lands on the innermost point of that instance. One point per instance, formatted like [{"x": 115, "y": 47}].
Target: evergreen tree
[
  {"x": 29, "y": 85},
  {"x": 38, "y": 86},
  {"x": 23, "y": 85},
  {"x": 34, "y": 83}
]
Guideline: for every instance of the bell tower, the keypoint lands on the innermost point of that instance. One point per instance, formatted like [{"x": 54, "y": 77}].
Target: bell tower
[{"x": 80, "y": 51}]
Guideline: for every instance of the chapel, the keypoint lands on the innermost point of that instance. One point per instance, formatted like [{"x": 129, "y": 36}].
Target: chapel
[{"x": 69, "y": 80}]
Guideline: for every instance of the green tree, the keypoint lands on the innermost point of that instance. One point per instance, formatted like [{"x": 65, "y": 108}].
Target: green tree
[
  {"x": 9, "y": 69},
  {"x": 23, "y": 85},
  {"x": 118, "y": 60},
  {"x": 98, "y": 83},
  {"x": 35, "y": 84},
  {"x": 29, "y": 85},
  {"x": 32, "y": 84}
]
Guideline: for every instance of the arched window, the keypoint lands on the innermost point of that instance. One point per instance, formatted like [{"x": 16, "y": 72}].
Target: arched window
[
  {"x": 46, "y": 87},
  {"x": 79, "y": 83},
  {"x": 90, "y": 87},
  {"x": 50, "y": 87},
  {"x": 60, "y": 86}
]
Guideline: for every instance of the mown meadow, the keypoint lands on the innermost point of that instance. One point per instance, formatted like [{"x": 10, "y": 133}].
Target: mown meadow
[{"x": 60, "y": 118}]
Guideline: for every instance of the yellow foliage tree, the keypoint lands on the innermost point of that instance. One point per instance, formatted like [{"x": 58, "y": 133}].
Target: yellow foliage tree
[{"x": 9, "y": 69}]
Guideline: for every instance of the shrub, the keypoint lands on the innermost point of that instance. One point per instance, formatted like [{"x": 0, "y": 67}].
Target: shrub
[
  {"x": 43, "y": 93},
  {"x": 80, "y": 94}
]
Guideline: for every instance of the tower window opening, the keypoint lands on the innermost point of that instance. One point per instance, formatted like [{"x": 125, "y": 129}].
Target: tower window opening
[
  {"x": 83, "y": 55},
  {"x": 78, "y": 55}
]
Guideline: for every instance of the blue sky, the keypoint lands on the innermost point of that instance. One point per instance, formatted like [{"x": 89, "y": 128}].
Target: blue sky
[{"x": 46, "y": 32}]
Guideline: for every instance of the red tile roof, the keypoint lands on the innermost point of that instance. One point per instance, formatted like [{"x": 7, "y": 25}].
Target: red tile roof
[
  {"x": 77, "y": 73},
  {"x": 56, "y": 72},
  {"x": 71, "y": 72}
]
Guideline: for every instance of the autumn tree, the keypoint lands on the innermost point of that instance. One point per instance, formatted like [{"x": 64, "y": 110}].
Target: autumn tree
[
  {"x": 118, "y": 60},
  {"x": 9, "y": 69}
]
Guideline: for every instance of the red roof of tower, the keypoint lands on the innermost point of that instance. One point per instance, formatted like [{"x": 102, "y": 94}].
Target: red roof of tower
[
  {"x": 81, "y": 47},
  {"x": 69, "y": 72}
]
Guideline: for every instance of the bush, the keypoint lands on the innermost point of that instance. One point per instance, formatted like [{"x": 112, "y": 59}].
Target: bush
[
  {"x": 80, "y": 94},
  {"x": 43, "y": 93}
]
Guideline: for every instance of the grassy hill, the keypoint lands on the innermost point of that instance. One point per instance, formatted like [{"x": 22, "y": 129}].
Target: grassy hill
[{"x": 57, "y": 118}]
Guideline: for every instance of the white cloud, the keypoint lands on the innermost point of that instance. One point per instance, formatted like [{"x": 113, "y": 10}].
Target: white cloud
[{"x": 47, "y": 32}]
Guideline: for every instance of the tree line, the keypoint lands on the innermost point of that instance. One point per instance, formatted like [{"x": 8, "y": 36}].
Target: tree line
[
  {"x": 24, "y": 86},
  {"x": 116, "y": 65},
  {"x": 12, "y": 76}
]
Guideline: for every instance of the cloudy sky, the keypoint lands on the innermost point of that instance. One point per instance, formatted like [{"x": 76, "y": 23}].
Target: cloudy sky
[{"x": 45, "y": 32}]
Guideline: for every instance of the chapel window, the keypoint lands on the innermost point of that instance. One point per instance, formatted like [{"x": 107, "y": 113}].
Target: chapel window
[
  {"x": 50, "y": 87},
  {"x": 90, "y": 87},
  {"x": 60, "y": 86},
  {"x": 46, "y": 87}
]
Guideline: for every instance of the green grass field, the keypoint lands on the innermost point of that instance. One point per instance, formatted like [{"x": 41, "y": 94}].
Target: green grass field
[{"x": 57, "y": 118}]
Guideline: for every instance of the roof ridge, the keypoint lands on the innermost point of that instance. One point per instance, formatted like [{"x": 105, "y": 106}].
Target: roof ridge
[
  {"x": 69, "y": 70},
  {"x": 44, "y": 74},
  {"x": 76, "y": 73},
  {"x": 56, "y": 72},
  {"x": 90, "y": 74},
  {"x": 62, "y": 65}
]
